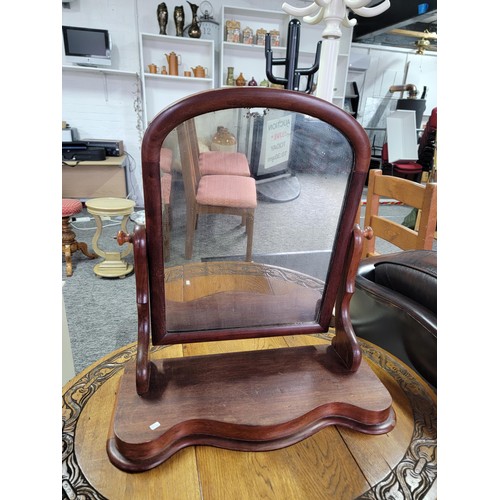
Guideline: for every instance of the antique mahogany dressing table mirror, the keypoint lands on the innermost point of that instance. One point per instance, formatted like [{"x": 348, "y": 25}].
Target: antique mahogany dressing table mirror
[{"x": 303, "y": 262}]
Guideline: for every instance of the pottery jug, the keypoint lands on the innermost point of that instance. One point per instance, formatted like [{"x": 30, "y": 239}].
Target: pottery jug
[
  {"x": 240, "y": 81},
  {"x": 223, "y": 140},
  {"x": 173, "y": 60},
  {"x": 200, "y": 71},
  {"x": 253, "y": 82},
  {"x": 153, "y": 68}
]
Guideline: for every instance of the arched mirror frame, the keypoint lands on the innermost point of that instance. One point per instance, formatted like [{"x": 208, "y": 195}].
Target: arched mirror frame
[{"x": 166, "y": 122}]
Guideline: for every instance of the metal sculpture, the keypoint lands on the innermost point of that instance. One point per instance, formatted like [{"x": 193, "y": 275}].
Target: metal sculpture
[{"x": 291, "y": 80}]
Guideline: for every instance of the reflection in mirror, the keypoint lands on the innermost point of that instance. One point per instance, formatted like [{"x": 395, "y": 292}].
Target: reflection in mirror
[{"x": 234, "y": 256}]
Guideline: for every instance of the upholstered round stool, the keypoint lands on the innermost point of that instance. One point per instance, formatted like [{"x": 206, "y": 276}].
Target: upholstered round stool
[
  {"x": 69, "y": 244},
  {"x": 113, "y": 265}
]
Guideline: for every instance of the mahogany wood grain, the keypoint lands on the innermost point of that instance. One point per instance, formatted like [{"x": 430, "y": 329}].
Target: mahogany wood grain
[
  {"x": 333, "y": 463},
  {"x": 252, "y": 400}
]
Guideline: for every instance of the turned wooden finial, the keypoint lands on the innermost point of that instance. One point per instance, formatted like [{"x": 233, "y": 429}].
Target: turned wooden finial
[
  {"x": 368, "y": 233},
  {"x": 122, "y": 237}
]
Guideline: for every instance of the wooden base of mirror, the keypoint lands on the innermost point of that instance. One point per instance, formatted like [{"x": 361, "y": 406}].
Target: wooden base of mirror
[{"x": 248, "y": 401}]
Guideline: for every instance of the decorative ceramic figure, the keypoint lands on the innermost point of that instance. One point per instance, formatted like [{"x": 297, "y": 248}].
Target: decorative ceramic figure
[
  {"x": 252, "y": 82},
  {"x": 194, "y": 30},
  {"x": 233, "y": 31},
  {"x": 162, "y": 16},
  {"x": 179, "y": 20},
  {"x": 230, "y": 76},
  {"x": 240, "y": 81},
  {"x": 248, "y": 36}
]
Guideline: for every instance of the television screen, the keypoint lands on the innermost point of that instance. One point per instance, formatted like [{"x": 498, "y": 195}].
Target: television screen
[{"x": 87, "y": 46}]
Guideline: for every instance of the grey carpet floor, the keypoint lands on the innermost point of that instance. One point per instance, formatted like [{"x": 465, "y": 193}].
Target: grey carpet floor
[{"x": 101, "y": 312}]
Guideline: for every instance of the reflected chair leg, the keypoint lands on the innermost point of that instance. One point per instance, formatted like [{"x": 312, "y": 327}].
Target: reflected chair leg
[
  {"x": 249, "y": 229},
  {"x": 192, "y": 218},
  {"x": 167, "y": 215}
]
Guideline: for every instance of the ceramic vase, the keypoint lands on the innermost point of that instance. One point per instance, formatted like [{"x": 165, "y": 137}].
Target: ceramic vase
[
  {"x": 230, "y": 76},
  {"x": 162, "y": 16},
  {"x": 223, "y": 140},
  {"x": 240, "y": 81},
  {"x": 194, "y": 30},
  {"x": 179, "y": 20}
]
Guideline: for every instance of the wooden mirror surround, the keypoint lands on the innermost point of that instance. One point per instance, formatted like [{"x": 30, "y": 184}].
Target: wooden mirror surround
[{"x": 233, "y": 264}]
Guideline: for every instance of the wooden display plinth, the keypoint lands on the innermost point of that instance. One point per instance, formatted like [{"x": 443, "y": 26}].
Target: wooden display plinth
[{"x": 251, "y": 401}]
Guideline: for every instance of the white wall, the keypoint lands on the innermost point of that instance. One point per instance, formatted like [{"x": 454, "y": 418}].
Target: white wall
[
  {"x": 103, "y": 107},
  {"x": 389, "y": 66}
]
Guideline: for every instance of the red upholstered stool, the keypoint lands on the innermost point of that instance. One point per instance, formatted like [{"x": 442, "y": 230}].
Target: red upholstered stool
[
  {"x": 407, "y": 169},
  {"x": 69, "y": 244}
]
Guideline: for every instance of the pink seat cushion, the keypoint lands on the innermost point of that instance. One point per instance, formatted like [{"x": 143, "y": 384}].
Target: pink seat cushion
[
  {"x": 227, "y": 191},
  {"x": 70, "y": 207},
  {"x": 223, "y": 163},
  {"x": 166, "y": 186},
  {"x": 166, "y": 160}
]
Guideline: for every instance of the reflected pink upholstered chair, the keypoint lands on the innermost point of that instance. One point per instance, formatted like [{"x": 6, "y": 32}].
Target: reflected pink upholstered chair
[
  {"x": 217, "y": 162},
  {"x": 213, "y": 194}
]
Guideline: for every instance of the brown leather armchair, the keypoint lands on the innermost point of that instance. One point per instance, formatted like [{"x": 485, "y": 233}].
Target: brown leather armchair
[{"x": 395, "y": 307}]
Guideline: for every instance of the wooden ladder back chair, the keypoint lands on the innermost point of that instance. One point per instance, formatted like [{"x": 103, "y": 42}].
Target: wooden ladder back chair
[
  {"x": 420, "y": 196},
  {"x": 236, "y": 399},
  {"x": 213, "y": 194}
]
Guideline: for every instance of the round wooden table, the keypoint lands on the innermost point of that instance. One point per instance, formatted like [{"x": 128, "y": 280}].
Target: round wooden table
[
  {"x": 336, "y": 462},
  {"x": 113, "y": 265}
]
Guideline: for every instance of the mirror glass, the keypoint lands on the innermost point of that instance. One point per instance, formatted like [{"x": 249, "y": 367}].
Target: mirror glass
[{"x": 294, "y": 186}]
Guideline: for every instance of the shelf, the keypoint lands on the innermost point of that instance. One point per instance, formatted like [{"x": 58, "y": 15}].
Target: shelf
[
  {"x": 247, "y": 46},
  {"x": 92, "y": 69},
  {"x": 174, "y": 77},
  {"x": 250, "y": 59},
  {"x": 160, "y": 90}
]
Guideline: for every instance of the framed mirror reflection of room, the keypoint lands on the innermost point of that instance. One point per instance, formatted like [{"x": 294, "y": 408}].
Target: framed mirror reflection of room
[
  {"x": 216, "y": 261},
  {"x": 237, "y": 262}
]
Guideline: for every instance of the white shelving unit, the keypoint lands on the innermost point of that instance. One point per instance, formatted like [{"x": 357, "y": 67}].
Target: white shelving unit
[
  {"x": 161, "y": 90},
  {"x": 250, "y": 59},
  {"x": 93, "y": 69}
]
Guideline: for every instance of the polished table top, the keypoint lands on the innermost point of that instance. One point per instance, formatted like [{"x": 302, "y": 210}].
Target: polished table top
[{"x": 335, "y": 463}]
